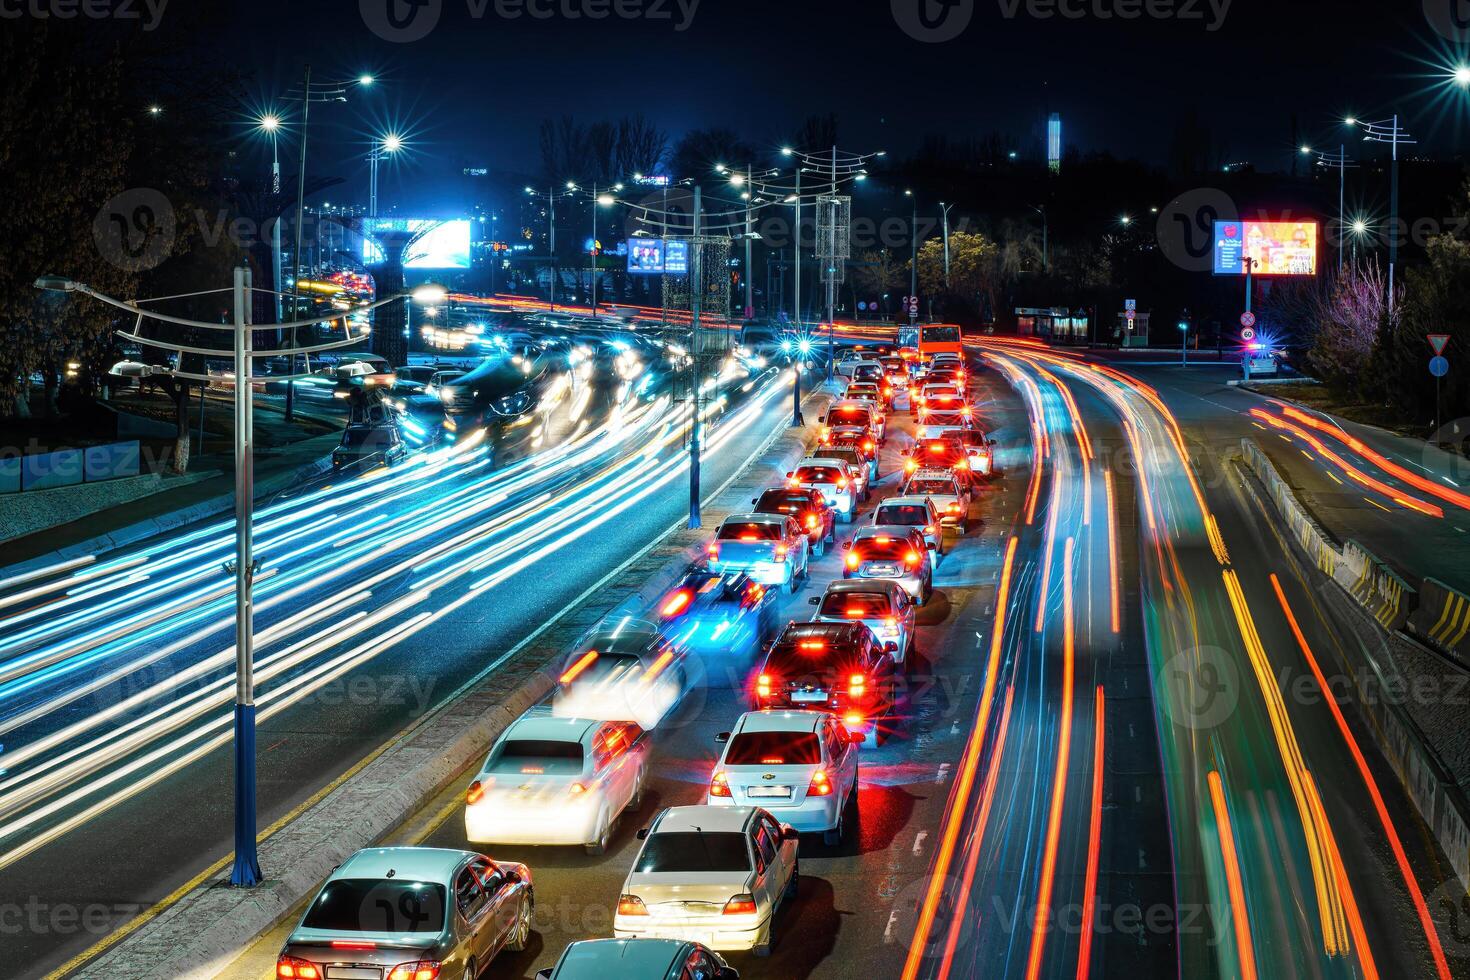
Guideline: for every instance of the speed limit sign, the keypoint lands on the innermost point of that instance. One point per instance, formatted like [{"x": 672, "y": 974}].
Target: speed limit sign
[{"x": 1247, "y": 334}]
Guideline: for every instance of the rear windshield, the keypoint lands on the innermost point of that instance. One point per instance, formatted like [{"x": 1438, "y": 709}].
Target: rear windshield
[
  {"x": 774, "y": 749},
  {"x": 686, "y": 851},
  {"x": 809, "y": 657},
  {"x": 378, "y": 905},
  {"x": 856, "y": 605},
  {"x": 944, "y": 418},
  {"x": 783, "y": 502},
  {"x": 941, "y": 487},
  {"x": 902, "y": 514},
  {"x": 868, "y": 371},
  {"x": 536, "y": 756},
  {"x": 818, "y": 474},
  {"x": 749, "y": 532},
  {"x": 606, "y": 667},
  {"x": 851, "y": 415}
]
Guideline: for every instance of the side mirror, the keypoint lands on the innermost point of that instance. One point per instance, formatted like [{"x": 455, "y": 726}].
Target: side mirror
[
  {"x": 846, "y": 545},
  {"x": 543, "y": 974},
  {"x": 642, "y": 833},
  {"x": 512, "y": 877},
  {"x": 856, "y": 738},
  {"x": 891, "y": 647},
  {"x": 815, "y": 600},
  {"x": 788, "y": 832},
  {"x": 756, "y": 500},
  {"x": 723, "y": 737},
  {"x": 788, "y": 474}
]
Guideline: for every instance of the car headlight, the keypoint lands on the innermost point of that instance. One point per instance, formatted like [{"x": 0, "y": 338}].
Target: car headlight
[{"x": 514, "y": 403}]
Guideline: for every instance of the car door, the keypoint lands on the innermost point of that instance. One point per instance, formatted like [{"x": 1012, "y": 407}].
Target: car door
[
  {"x": 796, "y": 542},
  {"x": 768, "y": 877},
  {"x": 783, "y": 855},
  {"x": 472, "y": 904},
  {"x": 501, "y": 905},
  {"x": 698, "y": 966},
  {"x": 841, "y": 757}
]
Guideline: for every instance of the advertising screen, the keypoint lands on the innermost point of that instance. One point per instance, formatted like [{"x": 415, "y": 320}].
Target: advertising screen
[
  {"x": 1277, "y": 248},
  {"x": 443, "y": 244},
  {"x": 646, "y": 255},
  {"x": 676, "y": 257}
]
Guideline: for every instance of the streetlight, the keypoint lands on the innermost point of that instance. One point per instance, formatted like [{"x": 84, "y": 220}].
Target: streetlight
[
  {"x": 1126, "y": 220},
  {"x": 390, "y": 143},
  {"x": 1341, "y": 161},
  {"x": 1461, "y": 76},
  {"x": 944, "y": 214},
  {"x": 155, "y": 110},
  {"x": 270, "y": 124},
  {"x": 603, "y": 200},
  {"x": 913, "y": 258},
  {"x": 1045, "y": 250},
  {"x": 245, "y": 872},
  {"x": 1389, "y": 131}
]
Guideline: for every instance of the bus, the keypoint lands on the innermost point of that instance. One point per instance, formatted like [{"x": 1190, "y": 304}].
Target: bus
[{"x": 938, "y": 338}]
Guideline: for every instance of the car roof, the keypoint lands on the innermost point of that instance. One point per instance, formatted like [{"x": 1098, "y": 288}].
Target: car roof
[
  {"x": 821, "y": 461},
  {"x": 623, "y": 635},
  {"x": 778, "y": 720},
  {"x": 630, "y": 957},
  {"x": 550, "y": 728},
  {"x": 862, "y": 585},
  {"x": 408, "y": 863},
  {"x": 756, "y": 519},
  {"x": 885, "y": 531},
  {"x": 703, "y": 818},
  {"x": 801, "y": 631}
]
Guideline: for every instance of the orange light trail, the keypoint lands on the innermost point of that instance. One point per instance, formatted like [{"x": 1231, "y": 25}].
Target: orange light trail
[
  {"x": 1244, "y": 950},
  {"x": 987, "y": 795},
  {"x": 1059, "y": 777},
  {"x": 1352, "y": 472},
  {"x": 1421, "y": 907},
  {"x": 582, "y": 664},
  {"x": 968, "y": 764},
  {"x": 1094, "y": 842}
]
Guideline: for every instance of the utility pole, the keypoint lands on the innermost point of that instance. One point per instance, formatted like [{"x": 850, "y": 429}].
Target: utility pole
[
  {"x": 749, "y": 296},
  {"x": 1342, "y": 163},
  {"x": 796, "y": 255},
  {"x": 1390, "y": 132},
  {"x": 296, "y": 254},
  {"x": 696, "y": 297},
  {"x": 832, "y": 275},
  {"x": 593, "y": 250},
  {"x": 551, "y": 240},
  {"x": 245, "y": 872},
  {"x": 944, "y": 213},
  {"x": 913, "y": 260}
]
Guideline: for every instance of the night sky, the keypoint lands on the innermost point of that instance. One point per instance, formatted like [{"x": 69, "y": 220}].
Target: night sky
[{"x": 473, "y": 92}]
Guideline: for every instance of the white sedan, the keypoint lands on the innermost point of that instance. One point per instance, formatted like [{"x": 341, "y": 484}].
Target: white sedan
[
  {"x": 557, "y": 781},
  {"x": 711, "y": 874},
  {"x": 624, "y": 670}
]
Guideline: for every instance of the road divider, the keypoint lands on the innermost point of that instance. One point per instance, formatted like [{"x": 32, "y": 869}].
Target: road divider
[{"x": 1443, "y": 619}]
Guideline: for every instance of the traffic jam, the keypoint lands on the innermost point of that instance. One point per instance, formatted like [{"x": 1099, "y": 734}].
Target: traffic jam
[{"x": 807, "y": 614}]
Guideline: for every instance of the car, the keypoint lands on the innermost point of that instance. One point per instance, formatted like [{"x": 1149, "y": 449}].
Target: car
[
  {"x": 420, "y": 416},
  {"x": 802, "y": 766},
  {"x": 890, "y": 551},
  {"x": 917, "y": 511},
  {"x": 623, "y": 669},
  {"x": 861, "y": 453},
  {"x": 717, "y": 613},
  {"x": 417, "y": 373},
  {"x": 853, "y": 415},
  {"x": 440, "y": 380},
  {"x": 981, "y": 450},
  {"x": 868, "y": 370},
  {"x": 645, "y": 959},
  {"x": 847, "y": 360},
  {"x": 809, "y": 507},
  {"x": 504, "y": 388},
  {"x": 366, "y": 446},
  {"x": 863, "y": 391},
  {"x": 949, "y": 491},
  {"x": 556, "y": 781},
  {"x": 833, "y": 477},
  {"x": 834, "y": 667},
  {"x": 942, "y": 451},
  {"x": 714, "y": 874},
  {"x": 935, "y": 424},
  {"x": 410, "y": 912},
  {"x": 773, "y": 549},
  {"x": 883, "y": 605}
]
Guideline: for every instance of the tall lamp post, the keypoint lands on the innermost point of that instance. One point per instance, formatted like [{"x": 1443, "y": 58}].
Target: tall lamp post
[
  {"x": 1389, "y": 131},
  {"x": 390, "y": 143},
  {"x": 550, "y": 196},
  {"x": 1045, "y": 250},
  {"x": 944, "y": 215},
  {"x": 270, "y": 124},
  {"x": 604, "y": 201},
  {"x": 1342, "y": 163},
  {"x": 913, "y": 259},
  {"x": 245, "y": 872}
]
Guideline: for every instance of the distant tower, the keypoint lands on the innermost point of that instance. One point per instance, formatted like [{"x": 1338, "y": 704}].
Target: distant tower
[{"x": 1054, "y": 142}]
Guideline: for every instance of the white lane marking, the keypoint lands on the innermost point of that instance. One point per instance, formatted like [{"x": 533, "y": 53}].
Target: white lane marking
[
  {"x": 919, "y": 842},
  {"x": 888, "y": 929},
  {"x": 943, "y": 773}
]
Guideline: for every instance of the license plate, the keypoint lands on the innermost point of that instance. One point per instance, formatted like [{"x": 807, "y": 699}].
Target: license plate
[
  {"x": 353, "y": 973},
  {"x": 882, "y": 569},
  {"x": 769, "y": 791},
  {"x": 805, "y": 696}
]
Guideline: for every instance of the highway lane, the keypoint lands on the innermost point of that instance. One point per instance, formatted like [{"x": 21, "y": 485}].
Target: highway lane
[
  {"x": 374, "y": 636},
  {"x": 859, "y": 901},
  {"x": 1278, "y": 830}
]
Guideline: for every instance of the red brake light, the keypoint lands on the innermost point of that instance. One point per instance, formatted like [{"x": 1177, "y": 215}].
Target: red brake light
[
  {"x": 928, "y": 528},
  {"x": 740, "y": 905},
  {"x": 631, "y": 905},
  {"x": 763, "y": 685},
  {"x": 857, "y": 686},
  {"x": 719, "y": 785},
  {"x": 841, "y": 483},
  {"x": 953, "y": 508},
  {"x": 890, "y": 621},
  {"x": 677, "y": 603},
  {"x": 853, "y": 560},
  {"x": 812, "y": 645},
  {"x": 475, "y": 794},
  {"x": 295, "y": 968},
  {"x": 714, "y": 549},
  {"x": 868, "y": 445},
  {"x": 854, "y": 612},
  {"x": 582, "y": 664},
  {"x": 811, "y": 521},
  {"x": 821, "y": 784},
  {"x": 910, "y": 465},
  {"x": 912, "y": 558},
  {"x": 782, "y": 551},
  {"x": 417, "y": 970}
]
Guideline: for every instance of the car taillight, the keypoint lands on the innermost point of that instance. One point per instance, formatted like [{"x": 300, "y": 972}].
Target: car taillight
[
  {"x": 295, "y": 968},
  {"x": 631, "y": 905},
  {"x": 912, "y": 558},
  {"x": 868, "y": 445},
  {"x": 890, "y": 622},
  {"x": 910, "y": 465},
  {"x": 475, "y": 793},
  {"x": 782, "y": 551},
  {"x": 417, "y": 970},
  {"x": 763, "y": 685},
  {"x": 953, "y": 508},
  {"x": 857, "y": 686},
  {"x": 853, "y": 561},
  {"x": 719, "y": 785},
  {"x": 713, "y": 549},
  {"x": 793, "y": 483},
  {"x": 842, "y": 483},
  {"x": 677, "y": 603},
  {"x": 811, "y": 521},
  {"x": 853, "y": 719},
  {"x": 928, "y": 528},
  {"x": 821, "y": 784},
  {"x": 576, "y": 789},
  {"x": 740, "y": 905}
]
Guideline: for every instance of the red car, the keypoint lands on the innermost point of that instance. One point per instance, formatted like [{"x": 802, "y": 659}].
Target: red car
[{"x": 808, "y": 507}]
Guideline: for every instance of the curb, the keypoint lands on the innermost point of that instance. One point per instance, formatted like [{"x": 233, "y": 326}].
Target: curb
[{"x": 203, "y": 931}]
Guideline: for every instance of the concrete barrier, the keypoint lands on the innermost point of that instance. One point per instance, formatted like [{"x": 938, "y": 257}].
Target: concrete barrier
[{"x": 1443, "y": 619}]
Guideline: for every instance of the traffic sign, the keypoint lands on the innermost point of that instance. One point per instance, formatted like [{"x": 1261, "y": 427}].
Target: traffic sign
[
  {"x": 913, "y": 305},
  {"x": 1247, "y": 334},
  {"x": 1439, "y": 341},
  {"x": 1247, "y": 319},
  {"x": 862, "y": 306},
  {"x": 1130, "y": 304},
  {"x": 1131, "y": 315},
  {"x": 1439, "y": 366}
]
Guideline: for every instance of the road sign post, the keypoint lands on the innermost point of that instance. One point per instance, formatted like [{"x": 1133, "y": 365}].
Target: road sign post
[{"x": 1439, "y": 366}]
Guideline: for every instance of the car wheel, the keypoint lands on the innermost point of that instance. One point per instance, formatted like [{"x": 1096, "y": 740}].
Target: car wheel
[
  {"x": 520, "y": 930},
  {"x": 793, "y": 884},
  {"x": 831, "y": 534},
  {"x": 471, "y": 971},
  {"x": 599, "y": 846},
  {"x": 833, "y": 837},
  {"x": 637, "y": 799}
]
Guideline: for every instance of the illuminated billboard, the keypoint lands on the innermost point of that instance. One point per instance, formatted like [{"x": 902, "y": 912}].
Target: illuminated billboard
[
  {"x": 1276, "y": 248},
  {"x": 442, "y": 244},
  {"x": 652, "y": 256}
]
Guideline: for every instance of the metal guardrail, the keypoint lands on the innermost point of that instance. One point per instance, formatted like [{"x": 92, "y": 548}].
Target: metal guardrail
[{"x": 69, "y": 467}]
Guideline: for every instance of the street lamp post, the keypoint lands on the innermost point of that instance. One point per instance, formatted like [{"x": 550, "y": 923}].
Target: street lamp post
[
  {"x": 245, "y": 871},
  {"x": 1045, "y": 251},
  {"x": 944, "y": 215},
  {"x": 696, "y": 297},
  {"x": 391, "y": 143},
  {"x": 1389, "y": 131},
  {"x": 1342, "y": 163},
  {"x": 270, "y": 124},
  {"x": 913, "y": 259}
]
